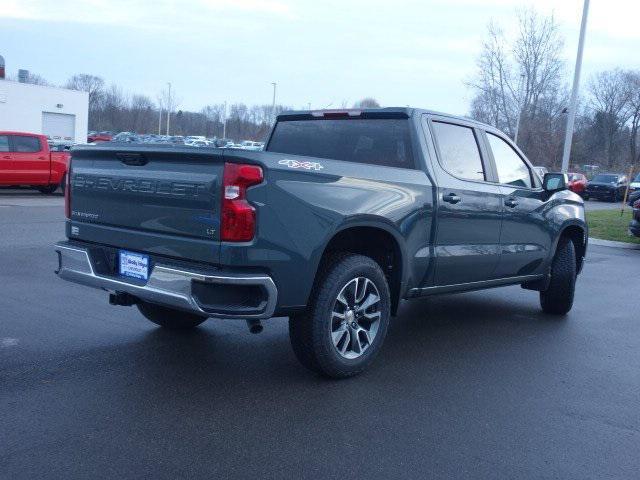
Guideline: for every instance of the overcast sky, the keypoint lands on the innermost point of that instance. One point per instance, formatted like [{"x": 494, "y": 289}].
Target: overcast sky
[{"x": 404, "y": 52}]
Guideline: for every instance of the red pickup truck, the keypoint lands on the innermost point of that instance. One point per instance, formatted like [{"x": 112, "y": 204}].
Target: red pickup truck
[{"x": 25, "y": 159}]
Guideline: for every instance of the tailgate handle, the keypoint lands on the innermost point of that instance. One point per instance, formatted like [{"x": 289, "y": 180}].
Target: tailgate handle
[{"x": 133, "y": 159}]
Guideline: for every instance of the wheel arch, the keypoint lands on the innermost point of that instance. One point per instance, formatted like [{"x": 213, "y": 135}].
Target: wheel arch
[
  {"x": 575, "y": 231},
  {"x": 377, "y": 239}
]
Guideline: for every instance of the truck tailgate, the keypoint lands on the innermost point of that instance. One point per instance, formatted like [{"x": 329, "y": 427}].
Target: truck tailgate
[{"x": 156, "y": 200}]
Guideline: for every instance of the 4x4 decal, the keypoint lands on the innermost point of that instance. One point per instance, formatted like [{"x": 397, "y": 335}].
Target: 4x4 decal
[{"x": 305, "y": 165}]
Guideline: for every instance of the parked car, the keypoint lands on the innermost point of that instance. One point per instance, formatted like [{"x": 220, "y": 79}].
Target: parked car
[
  {"x": 578, "y": 184},
  {"x": 343, "y": 215},
  {"x": 635, "y": 184},
  {"x": 607, "y": 186},
  {"x": 634, "y": 226},
  {"x": 126, "y": 137},
  {"x": 27, "y": 159},
  {"x": 251, "y": 145},
  {"x": 197, "y": 143},
  {"x": 99, "y": 137},
  {"x": 223, "y": 142},
  {"x": 633, "y": 196}
]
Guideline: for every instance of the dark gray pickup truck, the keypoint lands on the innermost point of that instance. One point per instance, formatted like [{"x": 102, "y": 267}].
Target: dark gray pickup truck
[{"x": 343, "y": 215}]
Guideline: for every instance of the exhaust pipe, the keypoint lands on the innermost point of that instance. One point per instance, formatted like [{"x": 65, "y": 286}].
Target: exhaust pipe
[
  {"x": 255, "y": 326},
  {"x": 122, "y": 298}
]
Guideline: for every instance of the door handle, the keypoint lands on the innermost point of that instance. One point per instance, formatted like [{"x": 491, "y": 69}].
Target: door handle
[
  {"x": 511, "y": 202},
  {"x": 6, "y": 157},
  {"x": 451, "y": 198}
]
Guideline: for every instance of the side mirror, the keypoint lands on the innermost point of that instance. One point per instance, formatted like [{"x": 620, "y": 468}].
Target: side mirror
[{"x": 554, "y": 182}]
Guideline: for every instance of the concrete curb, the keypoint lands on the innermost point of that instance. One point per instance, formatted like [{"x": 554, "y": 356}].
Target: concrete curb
[{"x": 611, "y": 243}]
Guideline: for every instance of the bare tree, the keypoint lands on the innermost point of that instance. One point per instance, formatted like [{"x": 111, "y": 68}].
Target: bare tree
[
  {"x": 367, "y": 102},
  {"x": 522, "y": 79},
  {"x": 633, "y": 84},
  {"x": 610, "y": 102},
  {"x": 91, "y": 84}
]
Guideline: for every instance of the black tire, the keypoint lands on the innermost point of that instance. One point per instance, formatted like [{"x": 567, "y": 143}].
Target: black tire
[
  {"x": 168, "y": 317},
  {"x": 558, "y": 298},
  {"x": 311, "y": 333},
  {"x": 47, "y": 189}
]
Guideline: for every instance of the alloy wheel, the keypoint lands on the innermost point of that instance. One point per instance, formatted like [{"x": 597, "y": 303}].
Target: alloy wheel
[{"x": 355, "y": 317}]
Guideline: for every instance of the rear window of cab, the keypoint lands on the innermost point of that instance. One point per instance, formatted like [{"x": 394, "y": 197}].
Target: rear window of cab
[{"x": 379, "y": 141}]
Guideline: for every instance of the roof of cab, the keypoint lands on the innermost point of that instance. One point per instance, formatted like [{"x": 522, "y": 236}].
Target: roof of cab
[{"x": 387, "y": 112}]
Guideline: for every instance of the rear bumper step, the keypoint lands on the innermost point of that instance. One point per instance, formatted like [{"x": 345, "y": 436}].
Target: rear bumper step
[{"x": 215, "y": 295}]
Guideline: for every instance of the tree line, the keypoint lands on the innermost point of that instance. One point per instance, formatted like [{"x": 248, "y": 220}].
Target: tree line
[{"x": 521, "y": 87}]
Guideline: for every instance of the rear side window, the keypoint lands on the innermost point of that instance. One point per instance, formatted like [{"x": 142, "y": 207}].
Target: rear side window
[
  {"x": 25, "y": 144},
  {"x": 511, "y": 168},
  {"x": 4, "y": 143},
  {"x": 459, "y": 153},
  {"x": 383, "y": 142}
]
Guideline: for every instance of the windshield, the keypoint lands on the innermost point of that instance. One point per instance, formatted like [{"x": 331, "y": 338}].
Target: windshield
[{"x": 605, "y": 178}]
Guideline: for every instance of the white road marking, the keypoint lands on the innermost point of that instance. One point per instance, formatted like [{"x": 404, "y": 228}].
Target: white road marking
[{"x": 8, "y": 342}]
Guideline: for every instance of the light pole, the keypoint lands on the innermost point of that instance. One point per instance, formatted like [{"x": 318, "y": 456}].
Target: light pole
[
  {"x": 568, "y": 136},
  {"x": 160, "y": 118},
  {"x": 520, "y": 105},
  {"x": 273, "y": 103},
  {"x": 224, "y": 121},
  {"x": 168, "y": 107}
]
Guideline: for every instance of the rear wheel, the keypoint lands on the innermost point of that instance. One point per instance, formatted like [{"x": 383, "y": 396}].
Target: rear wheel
[
  {"x": 168, "y": 317},
  {"x": 558, "y": 298},
  {"x": 347, "y": 319}
]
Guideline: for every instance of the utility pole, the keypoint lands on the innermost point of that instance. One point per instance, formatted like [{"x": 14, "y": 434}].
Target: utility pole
[
  {"x": 273, "y": 103},
  {"x": 571, "y": 116},
  {"x": 160, "y": 118},
  {"x": 168, "y": 107},
  {"x": 520, "y": 105}
]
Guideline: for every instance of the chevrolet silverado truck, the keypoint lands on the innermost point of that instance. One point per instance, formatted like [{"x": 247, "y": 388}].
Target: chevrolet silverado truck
[
  {"x": 26, "y": 159},
  {"x": 342, "y": 216}
]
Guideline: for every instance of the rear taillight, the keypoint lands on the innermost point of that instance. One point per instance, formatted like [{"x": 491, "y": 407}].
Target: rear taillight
[
  {"x": 238, "y": 217},
  {"x": 67, "y": 194}
]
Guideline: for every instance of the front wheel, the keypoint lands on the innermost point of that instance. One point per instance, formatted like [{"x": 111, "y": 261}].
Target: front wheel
[
  {"x": 347, "y": 319},
  {"x": 47, "y": 189},
  {"x": 558, "y": 298},
  {"x": 168, "y": 317}
]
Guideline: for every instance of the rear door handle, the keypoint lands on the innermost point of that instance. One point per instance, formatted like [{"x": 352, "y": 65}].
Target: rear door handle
[
  {"x": 511, "y": 202},
  {"x": 451, "y": 198},
  {"x": 6, "y": 157}
]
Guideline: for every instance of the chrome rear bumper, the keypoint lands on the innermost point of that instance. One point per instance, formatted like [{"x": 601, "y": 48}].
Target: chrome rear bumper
[{"x": 166, "y": 285}]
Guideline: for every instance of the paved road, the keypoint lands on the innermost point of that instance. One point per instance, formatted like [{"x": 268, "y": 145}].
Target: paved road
[{"x": 478, "y": 385}]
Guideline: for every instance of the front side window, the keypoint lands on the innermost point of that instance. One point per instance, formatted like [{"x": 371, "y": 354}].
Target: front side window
[
  {"x": 26, "y": 144},
  {"x": 459, "y": 153},
  {"x": 511, "y": 168},
  {"x": 4, "y": 143},
  {"x": 384, "y": 142}
]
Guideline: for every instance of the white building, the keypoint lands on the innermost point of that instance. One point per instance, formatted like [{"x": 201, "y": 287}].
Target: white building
[{"x": 57, "y": 112}]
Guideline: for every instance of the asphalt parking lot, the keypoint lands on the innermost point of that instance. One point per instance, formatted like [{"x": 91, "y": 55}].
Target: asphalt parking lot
[{"x": 478, "y": 385}]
